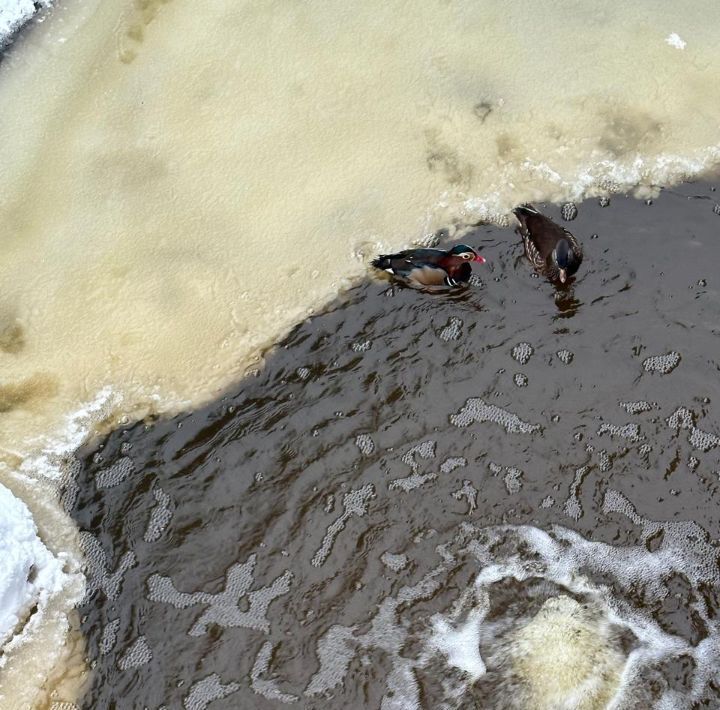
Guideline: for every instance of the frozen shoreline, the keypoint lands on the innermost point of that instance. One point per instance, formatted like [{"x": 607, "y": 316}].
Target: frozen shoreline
[
  {"x": 29, "y": 576},
  {"x": 14, "y": 14}
]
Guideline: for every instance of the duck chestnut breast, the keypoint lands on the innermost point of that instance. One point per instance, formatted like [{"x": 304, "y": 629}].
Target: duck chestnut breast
[{"x": 431, "y": 267}]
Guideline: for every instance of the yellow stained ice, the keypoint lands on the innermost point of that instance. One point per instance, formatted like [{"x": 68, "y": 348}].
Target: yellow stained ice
[
  {"x": 182, "y": 182},
  {"x": 566, "y": 658}
]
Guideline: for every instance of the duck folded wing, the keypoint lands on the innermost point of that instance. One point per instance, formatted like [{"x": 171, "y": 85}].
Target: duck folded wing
[
  {"x": 428, "y": 275},
  {"x": 542, "y": 232},
  {"x": 408, "y": 259},
  {"x": 574, "y": 245}
]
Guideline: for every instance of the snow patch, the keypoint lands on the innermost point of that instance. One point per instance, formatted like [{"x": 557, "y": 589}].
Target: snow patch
[
  {"x": 29, "y": 574},
  {"x": 14, "y": 14},
  {"x": 674, "y": 40}
]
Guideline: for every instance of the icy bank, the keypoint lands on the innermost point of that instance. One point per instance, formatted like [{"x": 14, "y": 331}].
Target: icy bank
[
  {"x": 15, "y": 13},
  {"x": 38, "y": 588},
  {"x": 29, "y": 574}
]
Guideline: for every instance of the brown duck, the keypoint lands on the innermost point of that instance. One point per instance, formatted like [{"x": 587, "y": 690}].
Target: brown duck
[
  {"x": 431, "y": 267},
  {"x": 551, "y": 249}
]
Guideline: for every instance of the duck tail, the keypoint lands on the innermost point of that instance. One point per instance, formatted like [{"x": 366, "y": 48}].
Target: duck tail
[
  {"x": 381, "y": 262},
  {"x": 525, "y": 209},
  {"x": 523, "y": 212}
]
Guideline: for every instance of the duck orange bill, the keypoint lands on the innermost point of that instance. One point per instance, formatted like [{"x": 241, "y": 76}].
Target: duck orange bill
[{"x": 480, "y": 259}]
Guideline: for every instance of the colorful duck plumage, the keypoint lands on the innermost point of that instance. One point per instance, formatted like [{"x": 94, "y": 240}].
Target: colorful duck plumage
[{"x": 431, "y": 267}]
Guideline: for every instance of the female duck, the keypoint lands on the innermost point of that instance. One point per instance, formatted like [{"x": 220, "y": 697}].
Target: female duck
[{"x": 551, "y": 249}]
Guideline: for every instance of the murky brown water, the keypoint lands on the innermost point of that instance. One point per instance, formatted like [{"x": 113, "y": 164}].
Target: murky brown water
[{"x": 316, "y": 537}]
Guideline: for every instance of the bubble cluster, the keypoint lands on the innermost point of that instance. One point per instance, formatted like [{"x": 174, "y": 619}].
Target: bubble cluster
[
  {"x": 137, "y": 654},
  {"x": 109, "y": 636},
  {"x": 267, "y": 687},
  {"x": 425, "y": 450},
  {"x": 340, "y": 644},
  {"x": 453, "y": 329},
  {"x": 99, "y": 577},
  {"x": 115, "y": 474},
  {"x": 662, "y": 364},
  {"x": 452, "y": 463},
  {"x": 411, "y": 482},
  {"x": 224, "y": 608},
  {"x": 206, "y": 691},
  {"x": 573, "y": 508},
  {"x": 512, "y": 478},
  {"x": 469, "y": 493},
  {"x": 604, "y": 460},
  {"x": 477, "y": 410},
  {"x": 395, "y": 562},
  {"x": 569, "y": 211},
  {"x": 636, "y": 407},
  {"x": 630, "y": 431},
  {"x": 703, "y": 440},
  {"x": 683, "y": 418},
  {"x": 361, "y": 346},
  {"x": 354, "y": 503},
  {"x": 160, "y": 516},
  {"x": 565, "y": 356},
  {"x": 365, "y": 443},
  {"x": 522, "y": 352},
  {"x": 520, "y": 379}
]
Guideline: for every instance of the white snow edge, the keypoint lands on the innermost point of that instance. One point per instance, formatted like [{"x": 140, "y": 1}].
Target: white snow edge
[
  {"x": 30, "y": 575},
  {"x": 14, "y": 14}
]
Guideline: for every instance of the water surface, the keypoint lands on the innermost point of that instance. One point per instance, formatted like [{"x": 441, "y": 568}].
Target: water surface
[{"x": 419, "y": 499}]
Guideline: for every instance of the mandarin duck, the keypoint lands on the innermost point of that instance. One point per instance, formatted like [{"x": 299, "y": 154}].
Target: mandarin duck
[
  {"x": 550, "y": 248},
  {"x": 430, "y": 267}
]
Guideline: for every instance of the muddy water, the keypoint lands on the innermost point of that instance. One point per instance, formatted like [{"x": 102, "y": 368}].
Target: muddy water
[{"x": 504, "y": 498}]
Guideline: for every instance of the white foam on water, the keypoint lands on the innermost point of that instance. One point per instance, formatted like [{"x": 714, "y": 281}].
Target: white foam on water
[
  {"x": 44, "y": 455},
  {"x": 566, "y": 559},
  {"x": 255, "y": 157},
  {"x": 461, "y": 644},
  {"x": 584, "y": 641}
]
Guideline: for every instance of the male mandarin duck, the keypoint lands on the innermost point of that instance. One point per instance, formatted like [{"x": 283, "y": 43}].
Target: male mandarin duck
[
  {"x": 551, "y": 249},
  {"x": 431, "y": 267}
]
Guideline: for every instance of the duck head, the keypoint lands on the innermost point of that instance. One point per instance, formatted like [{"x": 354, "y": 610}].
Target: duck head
[
  {"x": 466, "y": 253},
  {"x": 563, "y": 258}
]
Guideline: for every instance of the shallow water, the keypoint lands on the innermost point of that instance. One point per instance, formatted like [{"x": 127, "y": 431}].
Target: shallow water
[{"x": 420, "y": 499}]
